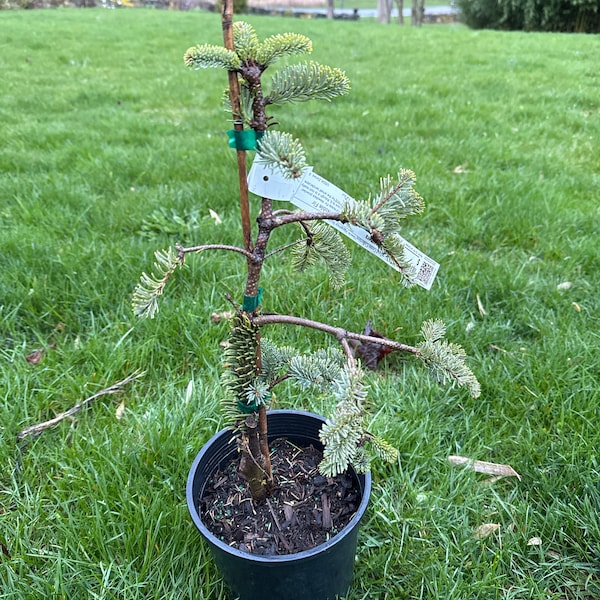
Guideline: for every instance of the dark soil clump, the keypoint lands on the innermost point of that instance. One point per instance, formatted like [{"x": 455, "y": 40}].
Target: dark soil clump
[{"x": 306, "y": 509}]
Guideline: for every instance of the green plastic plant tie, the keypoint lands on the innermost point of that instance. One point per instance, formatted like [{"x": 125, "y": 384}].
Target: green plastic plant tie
[
  {"x": 245, "y": 139},
  {"x": 248, "y": 408},
  {"x": 251, "y": 302}
]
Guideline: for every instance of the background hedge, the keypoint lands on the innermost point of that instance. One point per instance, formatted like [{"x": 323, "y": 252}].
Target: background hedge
[{"x": 582, "y": 16}]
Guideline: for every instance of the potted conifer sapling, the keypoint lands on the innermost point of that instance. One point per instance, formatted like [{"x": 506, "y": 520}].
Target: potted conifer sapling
[{"x": 334, "y": 463}]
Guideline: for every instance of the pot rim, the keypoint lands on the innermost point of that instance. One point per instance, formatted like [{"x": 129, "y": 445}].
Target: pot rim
[{"x": 212, "y": 539}]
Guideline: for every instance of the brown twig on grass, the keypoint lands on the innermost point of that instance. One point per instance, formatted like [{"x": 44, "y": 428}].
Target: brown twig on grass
[{"x": 116, "y": 388}]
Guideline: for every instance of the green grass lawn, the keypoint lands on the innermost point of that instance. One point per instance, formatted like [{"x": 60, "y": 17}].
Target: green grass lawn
[{"x": 111, "y": 149}]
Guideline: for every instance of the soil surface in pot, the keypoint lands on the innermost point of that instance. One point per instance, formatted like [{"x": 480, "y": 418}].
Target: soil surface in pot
[{"x": 306, "y": 509}]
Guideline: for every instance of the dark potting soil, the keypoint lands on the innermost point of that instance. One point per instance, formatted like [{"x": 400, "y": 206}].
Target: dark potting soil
[{"x": 305, "y": 510}]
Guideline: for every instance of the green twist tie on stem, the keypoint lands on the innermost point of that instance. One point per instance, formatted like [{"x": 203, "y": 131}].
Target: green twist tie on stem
[
  {"x": 247, "y": 409},
  {"x": 245, "y": 139},
  {"x": 251, "y": 302}
]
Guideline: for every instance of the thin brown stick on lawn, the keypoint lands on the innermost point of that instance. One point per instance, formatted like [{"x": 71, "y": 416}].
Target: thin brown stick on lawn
[{"x": 116, "y": 388}]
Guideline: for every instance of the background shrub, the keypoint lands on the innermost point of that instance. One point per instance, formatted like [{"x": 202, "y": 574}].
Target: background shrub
[
  {"x": 481, "y": 14},
  {"x": 582, "y": 16}
]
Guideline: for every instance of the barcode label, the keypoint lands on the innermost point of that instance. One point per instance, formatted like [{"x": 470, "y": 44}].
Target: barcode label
[{"x": 426, "y": 274}]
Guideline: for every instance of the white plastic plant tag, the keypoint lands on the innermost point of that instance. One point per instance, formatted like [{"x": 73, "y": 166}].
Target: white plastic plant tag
[
  {"x": 271, "y": 183},
  {"x": 313, "y": 193}
]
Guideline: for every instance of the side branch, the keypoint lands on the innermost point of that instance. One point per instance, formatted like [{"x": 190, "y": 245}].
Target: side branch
[
  {"x": 197, "y": 249},
  {"x": 342, "y": 335}
]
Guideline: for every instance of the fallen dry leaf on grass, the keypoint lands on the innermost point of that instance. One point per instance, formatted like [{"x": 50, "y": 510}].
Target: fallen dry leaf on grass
[
  {"x": 120, "y": 410},
  {"x": 485, "y": 467},
  {"x": 485, "y": 530},
  {"x": 4, "y": 550},
  {"x": 494, "y": 347},
  {"x": 215, "y": 216},
  {"x": 217, "y": 317},
  {"x": 371, "y": 353},
  {"x": 482, "y": 310},
  {"x": 35, "y": 357}
]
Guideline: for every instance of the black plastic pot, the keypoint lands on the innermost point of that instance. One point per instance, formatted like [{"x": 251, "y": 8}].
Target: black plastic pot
[{"x": 322, "y": 573}]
